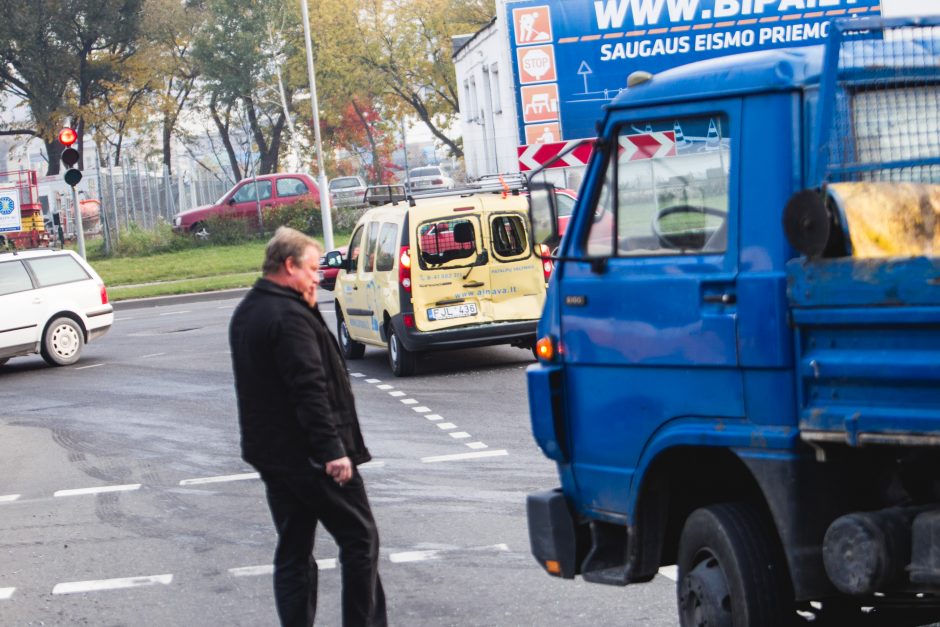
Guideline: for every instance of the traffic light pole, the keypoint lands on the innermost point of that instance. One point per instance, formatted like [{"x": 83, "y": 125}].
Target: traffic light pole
[{"x": 78, "y": 223}]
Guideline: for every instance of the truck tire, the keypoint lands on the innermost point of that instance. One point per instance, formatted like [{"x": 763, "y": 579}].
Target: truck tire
[
  {"x": 730, "y": 570},
  {"x": 401, "y": 360},
  {"x": 351, "y": 348},
  {"x": 62, "y": 342}
]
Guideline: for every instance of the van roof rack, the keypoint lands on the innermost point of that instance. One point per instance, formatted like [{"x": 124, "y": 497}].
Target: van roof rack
[{"x": 510, "y": 183}]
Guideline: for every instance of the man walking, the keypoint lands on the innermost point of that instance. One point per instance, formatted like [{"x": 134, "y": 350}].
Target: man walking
[{"x": 299, "y": 428}]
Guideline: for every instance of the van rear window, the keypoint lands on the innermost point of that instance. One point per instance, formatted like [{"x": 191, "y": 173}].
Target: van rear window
[
  {"x": 508, "y": 236},
  {"x": 446, "y": 240}
]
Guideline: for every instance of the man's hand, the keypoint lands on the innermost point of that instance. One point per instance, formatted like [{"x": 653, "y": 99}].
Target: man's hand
[{"x": 341, "y": 470}]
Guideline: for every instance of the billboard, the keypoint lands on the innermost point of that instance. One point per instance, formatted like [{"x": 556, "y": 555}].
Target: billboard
[
  {"x": 10, "y": 219},
  {"x": 571, "y": 57}
]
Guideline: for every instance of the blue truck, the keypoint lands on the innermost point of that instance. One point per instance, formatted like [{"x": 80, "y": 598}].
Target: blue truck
[{"x": 739, "y": 355}]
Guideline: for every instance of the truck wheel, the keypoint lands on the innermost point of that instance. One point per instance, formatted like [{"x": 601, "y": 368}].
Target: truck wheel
[
  {"x": 730, "y": 574},
  {"x": 62, "y": 342},
  {"x": 350, "y": 347},
  {"x": 401, "y": 360}
]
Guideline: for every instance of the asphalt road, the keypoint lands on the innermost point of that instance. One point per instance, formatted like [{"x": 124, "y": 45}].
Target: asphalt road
[{"x": 123, "y": 500}]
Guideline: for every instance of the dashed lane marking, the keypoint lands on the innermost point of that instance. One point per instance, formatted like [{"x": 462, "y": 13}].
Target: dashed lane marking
[
  {"x": 9, "y": 498},
  {"x": 385, "y": 386},
  {"x": 669, "y": 572},
  {"x": 414, "y": 556},
  {"x": 152, "y": 355},
  {"x": 396, "y": 393},
  {"x": 268, "y": 569},
  {"x": 358, "y": 375},
  {"x": 88, "y": 366},
  {"x": 462, "y": 456},
  {"x": 6, "y": 593},
  {"x": 373, "y": 380},
  {"x": 73, "y": 587},
  {"x": 477, "y": 445},
  {"x": 409, "y": 401},
  {"x": 446, "y": 426},
  {"x": 434, "y": 417},
  {"x": 174, "y": 313},
  {"x": 99, "y": 490},
  {"x": 221, "y": 479},
  {"x": 459, "y": 435},
  {"x": 422, "y": 409}
]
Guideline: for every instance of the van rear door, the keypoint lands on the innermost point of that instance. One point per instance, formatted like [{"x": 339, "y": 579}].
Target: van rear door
[
  {"x": 517, "y": 281},
  {"x": 448, "y": 250}
]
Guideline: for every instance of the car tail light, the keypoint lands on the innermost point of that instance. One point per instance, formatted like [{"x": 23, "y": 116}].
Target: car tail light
[
  {"x": 404, "y": 268},
  {"x": 437, "y": 182},
  {"x": 544, "y": 253},
  {"x": 104, "y": 295}
]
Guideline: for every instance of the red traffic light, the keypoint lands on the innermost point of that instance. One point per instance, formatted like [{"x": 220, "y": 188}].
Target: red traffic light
[{"x": 67, "y": 136}]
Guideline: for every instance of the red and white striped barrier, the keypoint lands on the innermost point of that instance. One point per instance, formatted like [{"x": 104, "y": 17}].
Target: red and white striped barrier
[
  {"x": 647, "y": 146},
  {"x": 536, "y": 155}
]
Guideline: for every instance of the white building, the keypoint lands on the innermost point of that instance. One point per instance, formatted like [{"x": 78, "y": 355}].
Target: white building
[{"x": 488, "y": 119}]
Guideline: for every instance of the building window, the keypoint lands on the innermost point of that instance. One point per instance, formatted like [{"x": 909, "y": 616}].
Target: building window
[
  {"x": 474, "y": 112},
  {"x": 468, "y": 116},
  {"x": 494, "y": 77}
]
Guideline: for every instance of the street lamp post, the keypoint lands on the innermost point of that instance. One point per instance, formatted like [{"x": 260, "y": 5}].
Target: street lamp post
[{"x": 324, "y": 192}]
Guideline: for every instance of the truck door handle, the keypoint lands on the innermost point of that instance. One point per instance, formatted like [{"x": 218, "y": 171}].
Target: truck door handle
[
  {"x": 728, "y": 298},
  {"x": 474, "y": 284}
]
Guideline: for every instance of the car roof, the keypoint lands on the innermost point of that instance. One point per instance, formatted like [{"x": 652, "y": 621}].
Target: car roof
[{"x": 33, "y": 253}]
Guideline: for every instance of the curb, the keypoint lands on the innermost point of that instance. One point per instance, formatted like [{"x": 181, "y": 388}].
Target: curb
[{"x": 157, "y": 301}]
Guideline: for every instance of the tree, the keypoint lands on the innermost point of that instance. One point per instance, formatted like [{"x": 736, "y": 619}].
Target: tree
[{"x": 409, "y": 42}]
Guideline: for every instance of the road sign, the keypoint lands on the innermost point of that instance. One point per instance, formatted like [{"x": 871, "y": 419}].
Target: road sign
[
  {"x": 542, "y": 133},
  {"x": 540, "y": 103},
  {"x": 538, "y": 155},
  {"x": 10, "y": 218},
  {"x": 593, "y": 45},
  {"x": 653, "y": 145}
]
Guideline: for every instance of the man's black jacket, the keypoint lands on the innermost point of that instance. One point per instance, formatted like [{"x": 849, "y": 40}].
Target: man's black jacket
[{"x": 295, "y": 403}]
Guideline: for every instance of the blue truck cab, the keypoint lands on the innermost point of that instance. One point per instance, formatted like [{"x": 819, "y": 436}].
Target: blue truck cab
[{"x": 739, "y": 366}]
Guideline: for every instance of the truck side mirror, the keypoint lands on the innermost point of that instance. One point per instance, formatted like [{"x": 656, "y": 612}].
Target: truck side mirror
[{"x": 543, "y": 213}]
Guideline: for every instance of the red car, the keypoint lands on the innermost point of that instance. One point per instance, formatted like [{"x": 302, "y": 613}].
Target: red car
[
  {"x": 564, "y": 202},
  {"x": 270, "y": 190}
]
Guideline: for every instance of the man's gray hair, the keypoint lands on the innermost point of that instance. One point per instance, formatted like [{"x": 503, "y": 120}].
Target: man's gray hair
[{"x": 287, "y": 243}]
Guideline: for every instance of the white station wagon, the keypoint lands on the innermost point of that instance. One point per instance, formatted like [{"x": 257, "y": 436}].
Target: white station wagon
[{"x": 52, "y": 303}]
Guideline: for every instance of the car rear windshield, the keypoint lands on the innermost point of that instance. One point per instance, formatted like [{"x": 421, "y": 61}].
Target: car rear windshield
[
  {"x": 57, "y": 270},
  {"x": 345, "y": 183},
  {"x": 426, "y": 172}
]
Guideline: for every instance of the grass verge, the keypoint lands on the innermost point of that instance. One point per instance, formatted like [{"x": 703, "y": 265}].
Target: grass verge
[{"x": 187, "y": 286}]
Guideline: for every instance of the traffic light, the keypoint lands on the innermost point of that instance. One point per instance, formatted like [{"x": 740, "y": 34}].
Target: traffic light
[{"x": 73, "y": 175}]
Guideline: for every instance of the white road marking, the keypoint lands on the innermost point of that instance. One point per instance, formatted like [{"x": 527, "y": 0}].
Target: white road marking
[
  {"x": 99, "y": 490},
  {"x": 122, "y": 318},
  {"x": 373, "y": 380},
  {"x": 409, "y": 401},
  {"x": 446, "y": 426},
  {"x": 152, "y": 355},
  {"x": 386, "y": 386},
  {"x": 226, "y": 307},
  {"x": 669, "y": 572},
  {"x": 221, "y": 479},
  {"x": 476, "y": 445},
  {"x": 358, "y": 375},
  {"x": 460, "y": 435},
  {"x": 372, "y": 464},
  {"x": 396, "y": 393},
  {"x": 414, "y": 556},
  {"x": 434, "y": 417},
  {"x": 174, "y": 313},
  {"x": 461, "y": 456},
  {"x": 9, "y": 498},
  {"x": 89, "y": 366},
  {"x": 73, "y": 587},
  {"x": 422, "y": 409},
  {"x": 268, "y": 569},
  {"x": 6, "y": 593}
]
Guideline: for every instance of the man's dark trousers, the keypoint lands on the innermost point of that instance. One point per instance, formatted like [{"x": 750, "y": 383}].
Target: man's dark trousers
[{"x": 298, "y": 502}]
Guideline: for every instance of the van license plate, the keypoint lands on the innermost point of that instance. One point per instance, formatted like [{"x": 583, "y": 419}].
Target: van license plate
[{"x": 453, "y": 311}]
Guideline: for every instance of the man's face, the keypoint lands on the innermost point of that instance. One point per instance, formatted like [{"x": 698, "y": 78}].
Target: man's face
[{"x": 305, "y": 276}]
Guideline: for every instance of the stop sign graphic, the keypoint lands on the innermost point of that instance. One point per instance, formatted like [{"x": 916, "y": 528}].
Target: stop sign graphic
[{"x": 537, "y": 64}]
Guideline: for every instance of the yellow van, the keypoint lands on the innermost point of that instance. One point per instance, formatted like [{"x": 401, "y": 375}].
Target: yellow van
[{"x": 443, "y": 272}]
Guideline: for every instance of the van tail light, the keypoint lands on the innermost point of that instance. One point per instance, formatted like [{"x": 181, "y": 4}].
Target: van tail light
[
  {"x": 545, "y": 253},
  {"x": 104, "y": 295},
  {"x": 409, "y": 320},
  {"x": 404, "y": 268}
]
